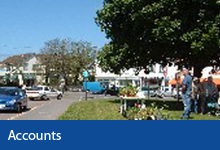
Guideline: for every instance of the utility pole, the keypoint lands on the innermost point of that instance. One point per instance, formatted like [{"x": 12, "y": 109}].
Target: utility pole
[
  {"x": 86, "y": 97},
  {"x": 178, "y": 88},
  {"x": 86, "y": 75}
]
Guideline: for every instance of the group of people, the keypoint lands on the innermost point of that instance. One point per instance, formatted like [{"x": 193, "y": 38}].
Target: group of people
[{"x": 198, "y": 96}]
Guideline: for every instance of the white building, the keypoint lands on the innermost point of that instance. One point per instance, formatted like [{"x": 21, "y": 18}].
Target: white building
[
  {"x": 157, "y": 73},
  {"x": 3, "y": 71},
  {"x": 22, "y": 68}
]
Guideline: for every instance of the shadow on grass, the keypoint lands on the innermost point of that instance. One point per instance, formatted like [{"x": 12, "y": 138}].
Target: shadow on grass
[{"x": 173, "y": 105}]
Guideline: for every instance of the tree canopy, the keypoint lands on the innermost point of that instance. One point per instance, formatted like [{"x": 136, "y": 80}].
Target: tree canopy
[
  {"x": 67, "y": 59},
  {"x": 145, "y": 32}
]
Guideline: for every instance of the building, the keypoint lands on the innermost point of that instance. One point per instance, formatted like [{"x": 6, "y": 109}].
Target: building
[
  {"x": 2, "y": 73},
  {"x": 25, "y": 69},
  {"x": 158, "y": 76}
]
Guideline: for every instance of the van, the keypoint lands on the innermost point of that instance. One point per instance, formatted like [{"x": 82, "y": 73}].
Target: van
[{"x": 94, "y": 87}]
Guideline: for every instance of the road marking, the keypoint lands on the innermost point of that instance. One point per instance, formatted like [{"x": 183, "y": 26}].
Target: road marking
[
  {"x": 19, "y": 115},
  {"x": 32, "y": 109}
]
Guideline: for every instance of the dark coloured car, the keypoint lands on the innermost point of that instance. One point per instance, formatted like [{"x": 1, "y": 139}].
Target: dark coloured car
[
  {"x": 114, "y": 91},
  {"x": 13, "y": 98}
]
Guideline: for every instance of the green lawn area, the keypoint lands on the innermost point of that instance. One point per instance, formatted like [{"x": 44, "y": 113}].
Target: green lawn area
[
  {"x": 109, "y": 110},
  {"x": 93, "y": 110}
]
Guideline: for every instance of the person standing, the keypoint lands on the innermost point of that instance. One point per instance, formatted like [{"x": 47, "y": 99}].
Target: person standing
[
  {"x": 187, "y": 93},
  {"x": 62, "y": 85},
  {"x": 208, "y": 92},
  {"x": 195, "y": 94}
]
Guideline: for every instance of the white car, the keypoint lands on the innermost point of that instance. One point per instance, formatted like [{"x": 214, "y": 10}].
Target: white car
[
  {"x": 144, "y": 92},
  {"x": 165, "y": 92},
  {"x": 43, "y": 93},
  {"x": 175, "y": 93}
]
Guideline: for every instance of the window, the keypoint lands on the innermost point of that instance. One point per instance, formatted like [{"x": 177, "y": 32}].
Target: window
[
  {"x": 125, "y": 82},
  {"x": 53, "y": 90},
  {"x": 137, "y": 83},
  {"x": 161, "y": 69},
  {"x": 46, "y": 89},
  {"x": 106, "y": 80},
  {"x": 9, "y": 92},
  {"x": 23, "y": 93},
  {"x": 36, "y": 67},
  {"x": 25, "y": 66},
  {"x": 152, "y": 68},
  {"x": 100, "y": 80}
]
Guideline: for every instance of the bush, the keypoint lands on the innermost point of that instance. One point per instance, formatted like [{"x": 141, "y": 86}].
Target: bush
[
  {"x": 141, "y": 112},
  {"x": 130, "y": 90}
]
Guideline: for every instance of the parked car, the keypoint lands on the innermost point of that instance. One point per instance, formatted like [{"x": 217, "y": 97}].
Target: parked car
[
  {"x": 145, "y": 91},
  {"x": 94, "y": 87},
  {"x": 43, "y": 93},
  {"x": 13, "y": 98},
  {"x": 175, "y": 93},
  {"x": 114, "y": 91},
  {"x": 75, "y": 88},
  {"x": 165, "y": 92}
]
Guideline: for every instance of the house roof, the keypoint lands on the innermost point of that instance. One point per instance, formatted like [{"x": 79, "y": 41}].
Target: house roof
[{"x": 18, "y": 60}]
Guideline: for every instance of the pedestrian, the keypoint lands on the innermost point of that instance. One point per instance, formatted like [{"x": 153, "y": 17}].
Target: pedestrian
[
  {"x": 62, "y": 85},
  {"x": 187, "y": 93},
  {"x": 209, "y": 92},
  {"x": 23, "y": 87},
  {"x": 195, "y": 95}
]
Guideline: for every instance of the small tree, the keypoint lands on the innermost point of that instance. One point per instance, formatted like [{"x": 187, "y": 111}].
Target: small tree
[{"x": 67, "y": 59}]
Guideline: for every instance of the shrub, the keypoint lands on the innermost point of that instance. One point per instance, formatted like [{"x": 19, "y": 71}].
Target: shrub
[
  {"x": 130, "y": 90},
  {"x": 141, "y": 112}
]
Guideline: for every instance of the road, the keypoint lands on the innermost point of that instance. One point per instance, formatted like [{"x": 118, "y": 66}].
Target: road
[
  {"x": 51, "y": 109},
  {"x": 46, "y": 110}
]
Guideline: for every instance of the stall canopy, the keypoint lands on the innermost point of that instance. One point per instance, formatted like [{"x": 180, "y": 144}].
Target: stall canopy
[{"x": 173, "y": 81}]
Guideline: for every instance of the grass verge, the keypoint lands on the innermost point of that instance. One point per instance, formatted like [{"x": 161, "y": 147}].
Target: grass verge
[
  {"x": 93, "y": 110},
  {"x": 108, "y": 110}
]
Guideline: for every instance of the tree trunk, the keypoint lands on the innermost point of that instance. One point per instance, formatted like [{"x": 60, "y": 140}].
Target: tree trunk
[
  {"x": 198, "y": 71},
  {"x": 47, "y": 79},
  {"x": 76, "y": 79}
]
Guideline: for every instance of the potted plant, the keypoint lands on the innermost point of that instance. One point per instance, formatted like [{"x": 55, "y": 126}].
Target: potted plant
[
  {"x": 132, "y": 91},
  {"x": 123, "y": 92},
  {"x": 129, "y": 91}
]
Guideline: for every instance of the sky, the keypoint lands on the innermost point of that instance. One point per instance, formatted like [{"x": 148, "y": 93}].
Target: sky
[{"x": 25, "y": 25}]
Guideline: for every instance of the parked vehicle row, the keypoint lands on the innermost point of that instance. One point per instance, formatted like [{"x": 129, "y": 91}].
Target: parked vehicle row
[
  {"x": 159, "y": 92},
  {"x": 100, "y": 88},
  {"x": 15, "y": 98}
]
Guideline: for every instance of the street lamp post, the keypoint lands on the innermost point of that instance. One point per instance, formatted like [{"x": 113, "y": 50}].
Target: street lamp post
[{"x": 86, "y": 75}]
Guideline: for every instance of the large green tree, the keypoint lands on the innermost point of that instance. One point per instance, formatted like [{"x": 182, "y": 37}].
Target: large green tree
[
  {"x": 67, "y": 59},
  {"x": 144, "y": 32}
]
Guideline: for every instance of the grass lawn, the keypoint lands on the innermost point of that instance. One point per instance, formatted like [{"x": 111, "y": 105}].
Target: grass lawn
[
  {"x": 93, "y": 110},
  {"x": 108, "y": 110}
]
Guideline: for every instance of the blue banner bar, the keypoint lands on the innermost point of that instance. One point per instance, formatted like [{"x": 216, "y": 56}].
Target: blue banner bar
[{"x": 112, "y": 135}]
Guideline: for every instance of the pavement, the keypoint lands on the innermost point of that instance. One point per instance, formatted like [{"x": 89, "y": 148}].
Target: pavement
[{"x": 48, "y": 110}]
